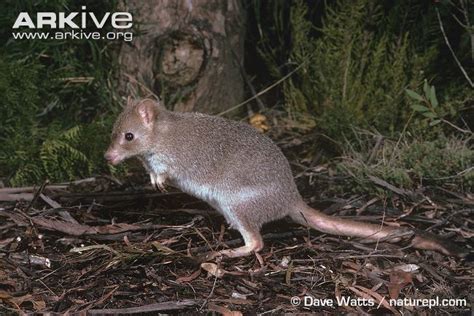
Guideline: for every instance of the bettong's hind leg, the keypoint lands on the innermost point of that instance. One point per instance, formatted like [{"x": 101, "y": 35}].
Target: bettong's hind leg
[{"x": 253, "y": 243}]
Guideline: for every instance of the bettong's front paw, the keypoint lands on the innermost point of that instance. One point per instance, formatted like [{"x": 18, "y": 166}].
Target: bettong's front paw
[
  {"x": 158, "y": 182},
  {"x": 161, "y": 186}
]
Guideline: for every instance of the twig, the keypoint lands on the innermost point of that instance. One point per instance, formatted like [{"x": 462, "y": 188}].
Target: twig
[
  {"x": 346, "y": 72},
  {"x": 59, "y": 186},
  {"x": 390, "y": 187},
  {"x": 402, "y": 134},
  {"x": 142, "y": 85},
  {"x": 447, "y": 218},
  {"x": 465, "y": 131},
  {"x": 367, "y": 256},
  {"x": 113, "y": 196},
  {"x": 13, "y": 197},
  {"x": 451, "y": 49},
  {"x": 375, "y": 149},
  {"x": 164, "y": 306},
  {"x": 210, "y": 293},
  {"x": 457, "y": 175},
  {"x": 261, "y": 106},
  {"x": 468, "y": 26},
  {"x": 31, "y": 189},
  {"x": 36, "y": 195},
  {"x": 94, "y": 247},
  {"x": 263, "y": 91}
]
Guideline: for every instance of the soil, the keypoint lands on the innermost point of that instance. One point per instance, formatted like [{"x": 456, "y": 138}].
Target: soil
[{"x": 100, "y": 246}]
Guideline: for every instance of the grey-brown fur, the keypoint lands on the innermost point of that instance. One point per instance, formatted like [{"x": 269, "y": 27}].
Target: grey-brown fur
[{"x": 230, "y": 165}]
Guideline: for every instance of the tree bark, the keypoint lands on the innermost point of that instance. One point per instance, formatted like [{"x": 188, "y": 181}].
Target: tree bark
[{"x": 188, "y": 52}]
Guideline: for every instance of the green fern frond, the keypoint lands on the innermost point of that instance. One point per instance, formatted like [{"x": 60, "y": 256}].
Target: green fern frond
[{"x": 61, "y": 160}]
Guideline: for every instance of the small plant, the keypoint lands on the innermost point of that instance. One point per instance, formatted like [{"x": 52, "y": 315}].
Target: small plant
[
  {"x": 426, "y": 104},
  {"x": 352, "y": 74}
]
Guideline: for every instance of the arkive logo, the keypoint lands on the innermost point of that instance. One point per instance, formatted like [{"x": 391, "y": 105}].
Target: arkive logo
[
  {"x": 81, "y": 25},
  {"x": 74, "y": 20}
]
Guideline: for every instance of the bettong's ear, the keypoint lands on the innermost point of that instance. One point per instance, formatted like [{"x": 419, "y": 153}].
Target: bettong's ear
[{"x": 148, "y": 110}]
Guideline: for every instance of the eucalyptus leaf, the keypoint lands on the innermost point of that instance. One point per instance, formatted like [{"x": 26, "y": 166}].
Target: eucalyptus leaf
[
  {"x": 412, "y": 94},
  {"x": 426, "y": 89},
  {"x": 435, "y": 122},
  {"x": 432, "y": 97},
  {"x": 430, "y": 115},
  {"x": 420, "y": 108}
]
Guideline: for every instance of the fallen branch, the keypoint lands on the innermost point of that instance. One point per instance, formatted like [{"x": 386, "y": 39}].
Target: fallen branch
[
  {"x": 164, "y": 306},
  {"x": 75, "y": 229},
  {"x": 390, "y": 187},
  {"x": 13, "y": 197},
  {"x": 33, "y": 188}
]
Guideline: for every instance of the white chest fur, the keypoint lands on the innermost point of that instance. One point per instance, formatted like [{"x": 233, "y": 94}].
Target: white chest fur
[{"x": 157, "y": 164}]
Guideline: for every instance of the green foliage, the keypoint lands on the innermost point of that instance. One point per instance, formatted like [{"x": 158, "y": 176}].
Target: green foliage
[
  {"x": 77, "y": 72},
  {"x": 373, "y": 67},
  {"x": 426, "y": 104},
  {"x": 362, "y": 65},
  {"x": 61, "y": 159},
  {"x": 438, "y": 160},
  {"x": 57, "y": 101},
  {"x": 18, "y": 125},
  {"x": 354, "y": 74},
  {"x": 355, "y": 63},
  {"x": 409, "y": 163},
  {"x": 31, "y": 151}
]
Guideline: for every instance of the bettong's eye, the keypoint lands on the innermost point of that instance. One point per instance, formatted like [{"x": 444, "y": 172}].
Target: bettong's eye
[{"x": 129, "y": 136}]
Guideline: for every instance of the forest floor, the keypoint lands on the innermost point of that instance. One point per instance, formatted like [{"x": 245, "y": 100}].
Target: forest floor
[{"x": 102, "y": 246}]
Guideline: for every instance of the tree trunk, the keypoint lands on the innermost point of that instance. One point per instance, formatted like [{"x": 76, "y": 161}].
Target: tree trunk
[{"x": 187, "y": 52}]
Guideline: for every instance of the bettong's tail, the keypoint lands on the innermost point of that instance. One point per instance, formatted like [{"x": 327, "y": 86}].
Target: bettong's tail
[{"x": 305, "y": 215}]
